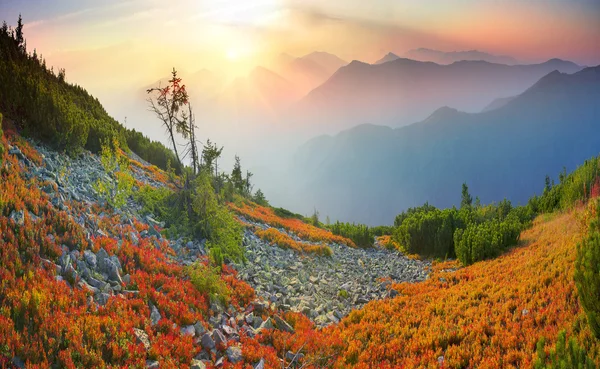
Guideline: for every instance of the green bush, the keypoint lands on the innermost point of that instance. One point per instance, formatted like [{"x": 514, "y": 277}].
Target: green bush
[
  {"x": 480, "y": 241},
  {"x": 117, "y": 190},
  {"x": 565, "y": 356},
  {"x": 428, "y": 232},
  {"x": 207, "y": 280},
  {"x": 587, "y": 272},
  {"x": 362, "y": 235},
  {"x": 214, "y": 222}
]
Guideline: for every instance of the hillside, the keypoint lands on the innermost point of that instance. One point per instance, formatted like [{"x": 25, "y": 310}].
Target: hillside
[
  {"x": 75, "y": 270},
  {"x": 383, "y": 170},
  {"x": 403, "y": 91}
]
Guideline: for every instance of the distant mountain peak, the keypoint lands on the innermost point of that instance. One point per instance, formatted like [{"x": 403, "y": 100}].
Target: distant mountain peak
[{"x": 387, "y": 58}]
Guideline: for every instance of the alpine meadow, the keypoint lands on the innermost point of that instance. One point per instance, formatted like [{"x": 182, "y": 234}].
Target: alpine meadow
[{"x": 286, "y": 184}]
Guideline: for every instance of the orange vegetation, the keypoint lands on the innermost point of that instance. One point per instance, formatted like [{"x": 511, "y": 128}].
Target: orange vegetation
[
  {"x": 285, "y": 241},
  {"x": 388, "y": 242},
  {"x": 488, "y": 315},
  {"x": 303, "y": 230}
]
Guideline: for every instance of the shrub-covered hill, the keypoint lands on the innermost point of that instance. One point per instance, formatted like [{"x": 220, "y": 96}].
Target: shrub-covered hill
[
  {"x": 43, "y": 105},
  {"x": 85, "y": 286},
  {"x": 488, "y": 315}
]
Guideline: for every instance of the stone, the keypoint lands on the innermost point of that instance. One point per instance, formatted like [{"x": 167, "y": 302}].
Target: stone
[
  {"x": 142, "y": 337},
  {"x": 260, "y": 365},
  {"x": 90, "y": 258},
  {"x": 234, "y": 354},
  {"x": 199, "y": 328},
  {"x": 154, "y": 315},
  {"x": 188, "y": 331},
  {"x": 197, "y": 364},
  {"x": 283, "y": 325},
  {"x": 18, "y": 217},
  {"x": 152, "y": 364},
  {"x": 267, "y": 324},
  {"x": 207, "y": 342},
  {"x": 134, "y": 238},
  {"x": 102, "y": 298},
  {"x": 18, "y": 362},
  {"x": 218, "y": 337}
]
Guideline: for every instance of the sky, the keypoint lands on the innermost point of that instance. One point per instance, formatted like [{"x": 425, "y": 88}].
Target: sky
[{"x": 112, "y": 43}]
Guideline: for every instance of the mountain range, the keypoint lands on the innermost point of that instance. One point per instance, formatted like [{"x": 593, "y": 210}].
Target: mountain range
[
  {"x": 443, "y": 57},
  {"x": 402, "y": 91},
  {"x": 371, "y": 173}
]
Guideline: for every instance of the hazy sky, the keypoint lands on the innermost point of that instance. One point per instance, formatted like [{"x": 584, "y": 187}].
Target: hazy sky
[{"x": 110, "y": 43}]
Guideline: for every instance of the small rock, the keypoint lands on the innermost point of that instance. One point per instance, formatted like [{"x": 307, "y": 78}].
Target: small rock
[
  {"x": 18, "y": 217},
  {"x": 150, "y": 364},
  {"x": 142, "y": 337},
  {"x": 154, "y": 315},
  {"x": 197, "y": 364},
  {"x": 188, "y": 330},
  {"x": 283, "y": 325},
  {"x": 90, "y": 258},
  {"x": 234, "y": 354},
  {"x": 260, "y": 365},
  {"x": 207, "y": 342},
  {"x": 218, "y": 337}
]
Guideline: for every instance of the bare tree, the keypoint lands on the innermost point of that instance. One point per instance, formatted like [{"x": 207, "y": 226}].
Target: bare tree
[
  {"x": 193, "y": 148},
  {"x": 167, "y": 104}
]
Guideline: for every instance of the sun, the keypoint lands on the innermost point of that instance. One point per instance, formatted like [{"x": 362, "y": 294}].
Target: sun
[{"x": 232, "y": 54}]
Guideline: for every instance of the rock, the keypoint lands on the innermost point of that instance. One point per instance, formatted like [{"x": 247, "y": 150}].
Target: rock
[
  {"x": 199, "y": 328},
  {"x": 142, "y": 337},
  {"x": 218, "y": 337},
  {"x": 260, "y": 365},
  {"x": 134, "y": 238},
  {"x": 154, "y": 314},
  {"x": 188, "y": 330},
  {"x": 267, "y": 324},
  {"x": 234, "y": 354},
  {"x": 197, "y": 364},
  {"x": 207, "y": 342},
  {"x": 101, "y": 256},
  {"x": 153, "y": 232},
  {"x": 17, "y": 362},
  {"x": 102, "y": 298},
  {"x": 18, "y": 217},
  {"x": 90, "y": 258},
  {"x": 126, "y": 279},
  {"x": 152, "y": 364},
  {"x": 283, "y": 325}
]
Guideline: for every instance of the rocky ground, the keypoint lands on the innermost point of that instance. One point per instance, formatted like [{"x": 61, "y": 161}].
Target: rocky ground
[{"x": 324, "y": 288}]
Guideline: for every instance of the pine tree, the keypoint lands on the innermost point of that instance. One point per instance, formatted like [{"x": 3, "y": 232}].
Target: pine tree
[{"x": 466, "y": 200}]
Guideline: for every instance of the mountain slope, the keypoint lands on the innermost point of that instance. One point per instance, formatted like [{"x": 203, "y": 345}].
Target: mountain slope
[
  {"x": 500, "y": 153},
  {"x": 403, "y": 91}
]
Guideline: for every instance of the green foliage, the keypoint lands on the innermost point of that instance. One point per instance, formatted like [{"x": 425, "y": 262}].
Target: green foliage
[
  {"x": 480, "y": 241},
  {"x": 343, "y": 294},
  {"x": 1, "y": 134},
  {"x": 565, "y": 356},
  {"x": 587, "y": 272},
  {"x": 214, "y": 222},
  {"x": 428, "y": 232},
  {"x": 574, "y": 188},
  {"x": 207, "y": 279},
  {"x": 117, "y": 190},
  {"x": 472, "y": 233},
  {"x": 360, "y": 234},
  {"x": 466, "y": 199},
  {"x": 154, "y": 201},
  {"x": 151, "y": 151},
  {"x": 405, "y": 214},
  {"x": 259, "y": 198},
  {"x": 63, "y": 115},
  {"x": 284, "y": 213}
]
